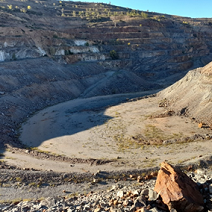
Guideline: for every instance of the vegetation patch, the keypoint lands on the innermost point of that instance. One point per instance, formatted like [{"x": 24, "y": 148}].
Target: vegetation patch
[
  {"x": 151, "y": 132},
  {"x": 114, "y": 55}
]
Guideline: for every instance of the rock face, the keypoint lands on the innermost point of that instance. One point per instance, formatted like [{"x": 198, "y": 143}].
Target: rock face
[{"x": 177, "y": 190}]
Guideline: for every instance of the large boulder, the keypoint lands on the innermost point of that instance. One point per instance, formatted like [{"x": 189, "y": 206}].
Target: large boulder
[{"x": 177, "y": 190}]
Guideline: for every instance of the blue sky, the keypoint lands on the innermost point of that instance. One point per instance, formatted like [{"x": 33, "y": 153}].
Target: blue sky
[{"x": 188, "y": 8}]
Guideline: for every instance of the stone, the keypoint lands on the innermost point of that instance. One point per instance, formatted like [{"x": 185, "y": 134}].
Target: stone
[
  {"x": 152, "y": 195},
  {"x": 115, "y": 209},
  {"x": 200, "y": 125},
  {"x": 139, "y": 179},
  {"x": 154, "y": 210},
  {"x": 115, "y": 202},
  {"x": 97, "y": 209},
  {"x": 210, "y": 188},
  {"x": 95, "y": 180},
  {"x": 145, "y": 192},
  {"x": 50, "y": 201},
  {"x": 141, "y": 210},
  {"x": 120, "y": 194},
  {"x": 112, "y": 189},
  {"x": 126, "y": 202},
  {"x": 87, "y": 207},
  {"x": 177, "y": 190},
  {"x": 200, "y": 172},
  {"x": 135, "y": 193},
  {"x": 78, "y": 207},
  {"x": 173, "y": 210},
  {"x": 139, "y": 203}
]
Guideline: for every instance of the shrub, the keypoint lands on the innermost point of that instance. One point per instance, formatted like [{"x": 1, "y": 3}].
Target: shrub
[
  {"x": 67, "y": 52},
  {"x": 144, "y": 15},
  {"x": 10, "y": 7},
  {"x": 114, "y": 55},
  {"x": 14, "y": 56},
  {"x": 23, "y": 10}
]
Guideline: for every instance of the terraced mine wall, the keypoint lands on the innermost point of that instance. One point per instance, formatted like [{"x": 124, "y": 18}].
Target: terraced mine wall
[{"x": 149, "y": 48}]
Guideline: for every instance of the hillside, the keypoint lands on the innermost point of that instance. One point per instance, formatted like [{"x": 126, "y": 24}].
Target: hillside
[
  {"x": 129, "y": 130},
  {"x": 125, "y": 139},
  {"x": 92, "y": 86},
  {"x": 191, "y": 96},
  {"x": 54, "y": 51}
]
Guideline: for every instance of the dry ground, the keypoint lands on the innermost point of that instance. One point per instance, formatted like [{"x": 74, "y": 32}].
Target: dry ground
[{"x": 122, "y": 132}]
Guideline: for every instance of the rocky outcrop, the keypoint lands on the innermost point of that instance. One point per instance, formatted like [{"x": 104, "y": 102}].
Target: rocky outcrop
[{"x": 177, "y": 190}]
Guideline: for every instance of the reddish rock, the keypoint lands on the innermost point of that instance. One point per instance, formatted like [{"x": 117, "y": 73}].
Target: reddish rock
[{"x": 177, "y": 190}]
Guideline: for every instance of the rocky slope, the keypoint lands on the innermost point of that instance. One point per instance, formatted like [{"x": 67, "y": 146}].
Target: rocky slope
[
  {"x": 191, "y": 96},
  {"x": 133, "y": 194}
]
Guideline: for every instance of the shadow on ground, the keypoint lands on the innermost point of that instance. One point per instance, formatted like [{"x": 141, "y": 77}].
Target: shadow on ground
[{"x": 71, "y": 117}]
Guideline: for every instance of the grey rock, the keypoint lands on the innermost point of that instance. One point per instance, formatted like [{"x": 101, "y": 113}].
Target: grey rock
[
  {"x": 152, "y": 195},
  {"x": 120, "y": 194},
  {"x": 126, "y": 202},
  {"x": 200, "y": 172},
  {"x": 145, "y": 192},
  {"x": 139, "y": 202},
  {"x": 173, "y": 210},
  {"x": 87, "y": 207},
  {"x": 156, "y": 210},
  {"x": 78, "y": 207},
  {"x": 49, "y": 202},
  {"x": 115, "y": 209},
  {"x": 170, "y": 141},
  {"x": 136, "y": 193},
  {"x": 192, "y": 175}
]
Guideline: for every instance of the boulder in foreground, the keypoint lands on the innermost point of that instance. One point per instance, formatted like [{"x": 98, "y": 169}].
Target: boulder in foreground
[{"x": 177, "y": 190}]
